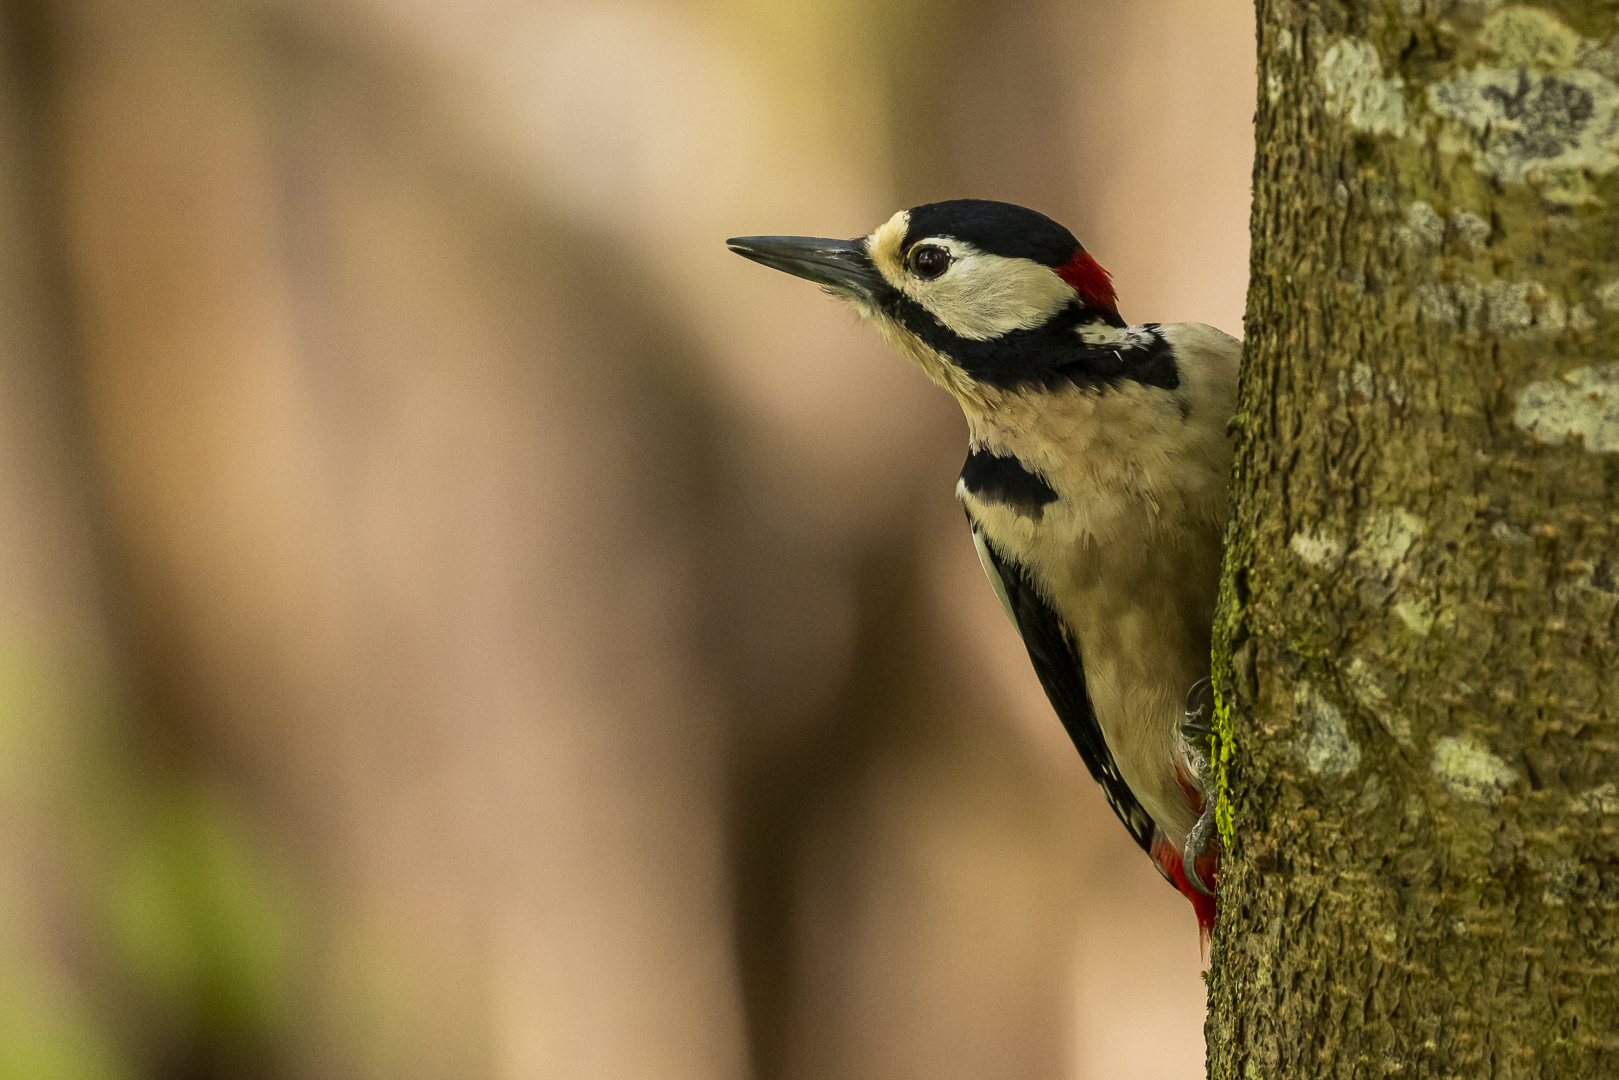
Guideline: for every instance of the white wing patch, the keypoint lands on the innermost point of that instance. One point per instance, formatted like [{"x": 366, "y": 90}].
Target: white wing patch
[{"x": 994, "y": 576}]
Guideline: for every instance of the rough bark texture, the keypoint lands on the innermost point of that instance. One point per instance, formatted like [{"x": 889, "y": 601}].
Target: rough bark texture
[{"x": 1418, "y": 636}]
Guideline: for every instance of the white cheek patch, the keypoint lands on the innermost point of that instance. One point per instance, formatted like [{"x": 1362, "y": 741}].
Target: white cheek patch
[{"x": 983, "y": 296}]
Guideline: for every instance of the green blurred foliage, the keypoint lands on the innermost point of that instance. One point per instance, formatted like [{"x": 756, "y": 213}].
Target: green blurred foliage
[
  {"x": 151, "y": 889},
  {"x": 198, "y": 917}
]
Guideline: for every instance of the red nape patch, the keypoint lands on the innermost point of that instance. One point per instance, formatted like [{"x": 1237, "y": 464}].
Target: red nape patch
[
  {"x": 1089, "y": 280},
  {"x": 1170, "y": 865}
]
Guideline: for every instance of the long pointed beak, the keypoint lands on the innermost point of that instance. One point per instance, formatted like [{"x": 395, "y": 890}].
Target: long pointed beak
[{"x": 840, "y": 265}]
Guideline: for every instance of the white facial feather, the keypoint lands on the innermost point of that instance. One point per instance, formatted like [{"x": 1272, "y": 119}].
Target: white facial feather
[{"x": 981, "y": 296}]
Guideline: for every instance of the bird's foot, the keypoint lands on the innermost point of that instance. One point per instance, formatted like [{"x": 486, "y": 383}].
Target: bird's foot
[
  {"x": 1198, "y": 724},
  {"x": 1197, "y": 845},
  {"x": 1198, "y": 728}
]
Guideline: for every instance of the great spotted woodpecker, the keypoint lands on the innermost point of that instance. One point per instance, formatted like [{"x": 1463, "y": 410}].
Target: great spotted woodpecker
[{"x": 1095, "y": 482}]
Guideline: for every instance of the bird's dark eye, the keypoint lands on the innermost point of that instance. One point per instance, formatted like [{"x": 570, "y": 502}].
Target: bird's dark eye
[{"x": 929, "y": 261}]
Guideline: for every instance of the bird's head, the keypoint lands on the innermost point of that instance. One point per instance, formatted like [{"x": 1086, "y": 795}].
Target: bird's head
[{"x": 983, "y": 295}]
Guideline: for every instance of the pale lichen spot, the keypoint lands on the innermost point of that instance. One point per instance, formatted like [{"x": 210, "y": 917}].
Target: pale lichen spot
[
  {"x": 1547, "y": 114},
  {"x": 1580, "y": 319},
  {"x": 1561, "y": 878},
  {"x": 1508, "y": 305},
  {"x": 1602, "y": 799},
  {"x": 1567, "y": 187},
  {"x": 1326, "y": 747},
  {"x": 1471, "y": 229},
  {"x": 1317, "y": 549},
  {"x": 1351, "y": 73},
  {"x": 1398, "y": 726},
  {"x": 1387, "y": 537},
  {"x": 1608, "y": 295},
  {"x": 1585, "y": 402},
  {"x": 1416, "y": 615},
  {"x": 1362, "y": 382},
  {"x": 1600, "y": 58},
  {"x": 1273, "y": 87},
  {"x": 1530, "y": 37},
  {"x": 1470, "y": 771},
  {"x": 1362, "y": 686},
  {"x": 1423, "y": 228},
  {"x": 1584, "y": 580},
  {"x": 1414, "y": 810},
  {"x": 1551, "y": 314},
  {"x": 1289, "y": 44},
  {"x": 1519, "y": 124},
  {"x": 1371, "y": 795},
  {"x": 1361, "y": 683},
  {"x": 1510, "y": 534},
  {"x": 1516, "y": 307},
  {"x": 1361, "y": 379}
]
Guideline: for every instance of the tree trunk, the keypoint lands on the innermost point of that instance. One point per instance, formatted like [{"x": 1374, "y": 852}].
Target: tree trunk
[{"x": 1417, "y": 645}]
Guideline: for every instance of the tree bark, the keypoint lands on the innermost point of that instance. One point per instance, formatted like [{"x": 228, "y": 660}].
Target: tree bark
[{"x": 1416, "y": 652}]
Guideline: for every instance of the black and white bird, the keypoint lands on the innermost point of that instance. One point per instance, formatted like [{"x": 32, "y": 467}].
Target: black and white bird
[{"x": 1095, "y": 481}]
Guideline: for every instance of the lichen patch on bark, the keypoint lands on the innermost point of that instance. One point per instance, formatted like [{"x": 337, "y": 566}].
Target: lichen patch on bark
[
  {"x": 1529, "y": 37},
  {"x": 1362, "y": 685},
  {"x": 1583, "y": 403},
  {"x": 1543, "y": 106},
  {"x": 1515, "y": 121},
  {"x": 1602, "y": 799},
  {"x": 1326, "y": 746},
  {"x": 1317, "y": 549},
  {"x": 1508, "y": 533},
  {"x": 1424, "y": 228},
  {"x": 1388, "y": 537},
  {"x": 1525, "y": 308},
  {"x": 1470, "y": 771},
  {"x": 1416, "y": 615},
  {"x": 1352, "y": 75}
]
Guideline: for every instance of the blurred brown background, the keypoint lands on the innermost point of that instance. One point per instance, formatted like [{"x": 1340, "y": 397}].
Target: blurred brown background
[{"x": 456, "y": 620}]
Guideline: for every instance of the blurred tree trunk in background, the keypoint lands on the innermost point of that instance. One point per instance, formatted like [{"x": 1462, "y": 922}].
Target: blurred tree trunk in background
[
  {"x": 1422, "y": 615},
  {"x": 462, "y": 622}
]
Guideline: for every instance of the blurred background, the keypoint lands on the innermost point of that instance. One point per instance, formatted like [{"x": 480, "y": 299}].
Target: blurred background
[{"x": 458, "y": 621}]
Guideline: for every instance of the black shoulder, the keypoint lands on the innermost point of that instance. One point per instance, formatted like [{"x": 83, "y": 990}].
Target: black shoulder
[
  {"x": 1147, "y": 359},
  {"x": 1057, "y": 662}
]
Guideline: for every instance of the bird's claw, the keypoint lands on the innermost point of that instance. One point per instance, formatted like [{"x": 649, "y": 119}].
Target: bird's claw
[
  {"x": 1197, "y": 723},
  {"x": 1197, "y": 842},
  {"x": 1197, "y": 730}
]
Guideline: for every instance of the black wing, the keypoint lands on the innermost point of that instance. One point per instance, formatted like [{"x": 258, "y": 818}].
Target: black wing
[{"x": 1057, "y": 662}]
